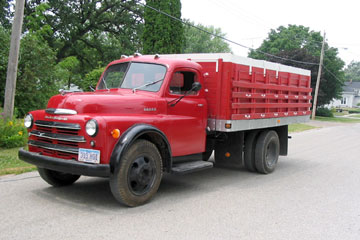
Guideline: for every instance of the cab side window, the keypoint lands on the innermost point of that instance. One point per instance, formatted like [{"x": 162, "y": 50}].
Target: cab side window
[{"x": 182, "y": 82}]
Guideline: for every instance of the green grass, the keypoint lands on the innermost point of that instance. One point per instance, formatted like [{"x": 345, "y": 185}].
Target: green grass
[
  {"x": 355, "y": 115},
  {"x": 338, "y": 119},
  {"x": 11, "y": 164},
  {"x": 299, "y": 127},
  {"x": 340, "y": 113}
]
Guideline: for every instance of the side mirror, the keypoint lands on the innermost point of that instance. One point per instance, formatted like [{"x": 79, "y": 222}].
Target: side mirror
[{"x": 196, "y": 86}]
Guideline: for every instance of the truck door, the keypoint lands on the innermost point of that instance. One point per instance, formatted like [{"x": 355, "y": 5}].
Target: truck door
[{"x": 188, "y": 116}]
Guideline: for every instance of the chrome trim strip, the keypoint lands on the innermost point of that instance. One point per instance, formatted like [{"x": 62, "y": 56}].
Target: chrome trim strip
[
  {"x": 240, "y": 125},
  {"x": 54, "y": 147},
  {"x": 71, "y": 126},
  {"x": 62, "y": 111},
  {"x": 56, "y": 136}
]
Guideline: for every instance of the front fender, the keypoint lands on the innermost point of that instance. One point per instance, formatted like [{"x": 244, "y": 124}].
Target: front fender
[{"x": 141, "y": 131}]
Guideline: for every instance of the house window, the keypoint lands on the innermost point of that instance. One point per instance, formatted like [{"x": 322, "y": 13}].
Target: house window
[{"x": 343, "y": 101}]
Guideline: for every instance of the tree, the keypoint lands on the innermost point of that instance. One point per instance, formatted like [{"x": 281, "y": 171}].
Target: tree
[
  {"x": 4, "y": 55},
  {"x": 300, "y": 44},
  {"x": 36, "y": 81},
  {"x": 162, "y": 34},
  {"x": 5, "y": 13},
  {"x": 197, "y": 41},
  {"x": 352, "y": 72},
  {"x": 95, "y": 32},
  {"x": 67, "y": 71}
]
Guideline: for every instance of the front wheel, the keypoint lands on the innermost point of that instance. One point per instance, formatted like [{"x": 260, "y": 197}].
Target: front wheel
[
  {"x": 138, "y": 176},
  {"x": 57, "y": 179}
]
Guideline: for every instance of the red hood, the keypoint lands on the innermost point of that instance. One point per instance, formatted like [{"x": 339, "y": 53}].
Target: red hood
[{"x": 112, "y": 102}]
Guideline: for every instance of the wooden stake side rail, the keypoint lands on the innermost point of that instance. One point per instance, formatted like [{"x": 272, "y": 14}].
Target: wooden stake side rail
[
  {"x": 270, "y": 96},
  {"x": 270, "y": 105},
  {"x": 264, "y": 94},
  {"x": 270, "y": 87},
  {"x": 269, "y": 115}
]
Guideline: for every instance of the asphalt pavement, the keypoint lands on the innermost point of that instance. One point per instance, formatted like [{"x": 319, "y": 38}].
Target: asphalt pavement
[{"x": 313, "y": 194}]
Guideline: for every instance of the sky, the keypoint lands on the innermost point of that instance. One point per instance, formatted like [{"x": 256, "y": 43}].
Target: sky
[{"x": 249, "y": 22}]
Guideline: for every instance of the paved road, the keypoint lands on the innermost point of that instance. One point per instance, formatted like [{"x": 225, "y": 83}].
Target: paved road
[{"x": 313, "y": 194}]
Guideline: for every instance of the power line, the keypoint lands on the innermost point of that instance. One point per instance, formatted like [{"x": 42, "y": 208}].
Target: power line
[
  {"x": 223, "y": 38},
  {"x": 236, "y": 43},
  {"x": 332, "y": 74}
]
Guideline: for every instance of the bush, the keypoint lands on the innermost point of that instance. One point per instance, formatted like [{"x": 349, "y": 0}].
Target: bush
[
  {"x": 324, "y": 112},
  {"x": 12, "y": 133},
  {"x": 354, "y": 110}
]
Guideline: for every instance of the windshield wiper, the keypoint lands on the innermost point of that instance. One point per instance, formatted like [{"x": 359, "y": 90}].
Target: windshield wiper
[
  {"x": 146, "y": 84},
  {"x": 103, "y": 80}
]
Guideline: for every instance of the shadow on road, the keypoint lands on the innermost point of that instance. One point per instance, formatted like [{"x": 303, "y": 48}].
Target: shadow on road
[{"x": 95, "y": 194}]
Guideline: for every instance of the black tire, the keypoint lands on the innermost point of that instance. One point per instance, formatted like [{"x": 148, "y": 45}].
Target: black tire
[
  {"x": 57, "y": 179},
  {"x": 206, "y": 155},
  {"x": 137, "y": 178},
  {"x": 267, "y": 152},
  {"x": 249, "y": 151}
]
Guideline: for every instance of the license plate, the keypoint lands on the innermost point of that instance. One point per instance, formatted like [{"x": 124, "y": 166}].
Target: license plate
[{"x": 89, "y": 155}]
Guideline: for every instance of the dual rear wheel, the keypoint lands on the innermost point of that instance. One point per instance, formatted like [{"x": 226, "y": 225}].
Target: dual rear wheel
[{"x": 261, "y": 151}]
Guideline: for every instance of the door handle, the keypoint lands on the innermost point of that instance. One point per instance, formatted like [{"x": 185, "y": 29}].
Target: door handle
[{"x": 200, "y": 105}]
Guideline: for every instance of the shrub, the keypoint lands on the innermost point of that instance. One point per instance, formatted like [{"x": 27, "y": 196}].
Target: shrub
[
  {"x": 12, "y": 134},
  {"x": 354, "y": 110},
  {"x": 324, "y": 112}
]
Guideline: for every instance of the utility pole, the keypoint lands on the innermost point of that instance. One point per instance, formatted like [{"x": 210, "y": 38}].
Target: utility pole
[
  {"x": 318, "y": 79},
  {"x": 13, "y": 60}
]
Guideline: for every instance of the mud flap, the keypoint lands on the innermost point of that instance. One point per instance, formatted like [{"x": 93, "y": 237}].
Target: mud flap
[{"x": 229, "y": 150}]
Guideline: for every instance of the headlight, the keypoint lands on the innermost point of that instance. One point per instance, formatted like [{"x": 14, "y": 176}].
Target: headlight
[
  {"x": 28, "y": 121},
  {"x": 92, "y": 127}
]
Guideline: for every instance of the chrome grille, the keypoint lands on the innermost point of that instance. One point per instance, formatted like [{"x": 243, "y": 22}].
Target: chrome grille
[{"x": 56, "y": 138}]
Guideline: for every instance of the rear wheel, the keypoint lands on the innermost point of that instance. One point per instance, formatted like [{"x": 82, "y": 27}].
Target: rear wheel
[
  {"x": 138, "y": 176},
  {"x": 249, "y": 151},
  {"x": 57, "y": 179},
  {"x": 267, "y": 152}
]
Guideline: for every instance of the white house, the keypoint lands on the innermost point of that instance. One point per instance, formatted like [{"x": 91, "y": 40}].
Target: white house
[{"x": 350, "y": 96}]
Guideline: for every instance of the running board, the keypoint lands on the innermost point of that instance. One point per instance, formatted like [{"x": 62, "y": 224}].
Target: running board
[{"x": 190, "y": 167}]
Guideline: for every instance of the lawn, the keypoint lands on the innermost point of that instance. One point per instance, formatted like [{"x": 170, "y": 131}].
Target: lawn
[
  {"x": 299, "y": 127},
  {"x": 338, "y": 119},
  {"x": 11, "y": 164},
  {"x": 355, "y": 115}
]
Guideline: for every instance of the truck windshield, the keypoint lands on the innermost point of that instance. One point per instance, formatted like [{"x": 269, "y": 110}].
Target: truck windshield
[{"x": 132, "y": 75}]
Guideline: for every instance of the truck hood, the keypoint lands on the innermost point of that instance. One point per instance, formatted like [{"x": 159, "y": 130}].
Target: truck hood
[{"x": 105, "y": 102}]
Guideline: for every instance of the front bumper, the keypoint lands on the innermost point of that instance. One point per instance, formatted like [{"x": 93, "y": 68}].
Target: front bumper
[{"x": 66, "y": 166}]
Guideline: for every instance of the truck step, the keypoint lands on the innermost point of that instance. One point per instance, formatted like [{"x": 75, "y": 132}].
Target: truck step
[{"x": 189, "y": 167}]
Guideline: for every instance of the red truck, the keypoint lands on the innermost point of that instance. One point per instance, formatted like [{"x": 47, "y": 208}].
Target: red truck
[{"x": 168, "y": 113}]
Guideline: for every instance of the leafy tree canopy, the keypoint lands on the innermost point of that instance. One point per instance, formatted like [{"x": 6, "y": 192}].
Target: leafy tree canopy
[
  {"x": 300, "y": 44},
  {"x": 162, "y": 34},
  {"x": 5, "y": 13},
  {"x": 95, "y": 32},
  {"x": 197, "y": 41},
  {"x": 4, "y": 55},
  {"x": 36, "y": 81},
  {"x": 352, "y": 72}
]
